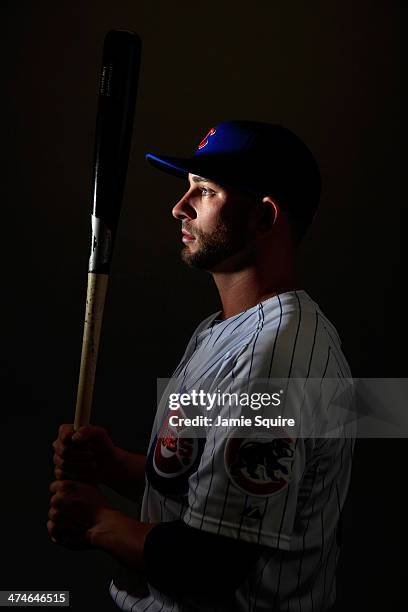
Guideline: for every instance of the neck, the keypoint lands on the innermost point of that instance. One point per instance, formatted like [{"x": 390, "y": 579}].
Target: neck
[{"x": 243, "y": 289}]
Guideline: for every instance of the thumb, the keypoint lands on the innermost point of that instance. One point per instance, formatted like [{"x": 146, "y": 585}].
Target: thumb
[
  {"x": 81, "y": 434},
  {"x": 87, "y": 432}
]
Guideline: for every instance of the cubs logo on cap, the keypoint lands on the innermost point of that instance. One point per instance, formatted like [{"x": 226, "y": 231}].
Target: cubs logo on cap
[{"x": 204, "y": 141}]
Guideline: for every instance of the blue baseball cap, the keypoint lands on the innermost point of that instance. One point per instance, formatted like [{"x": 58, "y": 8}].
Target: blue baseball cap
[{"x": 258, "y": 158}]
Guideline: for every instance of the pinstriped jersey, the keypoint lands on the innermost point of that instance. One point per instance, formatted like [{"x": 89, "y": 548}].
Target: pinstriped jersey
[{"x": 283, "y": 493}]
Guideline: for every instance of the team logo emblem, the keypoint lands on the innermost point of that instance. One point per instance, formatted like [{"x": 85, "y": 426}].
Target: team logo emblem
[
  {"x": 204, "y": 141},
  {"x": 173, "y": 457},
  {"x": 260, "y": 466}
]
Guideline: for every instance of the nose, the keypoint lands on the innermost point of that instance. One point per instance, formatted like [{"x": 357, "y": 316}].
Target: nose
[{"x": 183, "y": 209}]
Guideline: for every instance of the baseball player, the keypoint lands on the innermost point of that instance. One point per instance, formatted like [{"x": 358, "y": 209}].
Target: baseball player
[{"x": 234, "y": 516}]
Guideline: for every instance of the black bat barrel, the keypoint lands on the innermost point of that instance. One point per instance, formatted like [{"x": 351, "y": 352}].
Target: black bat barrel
[{"x": 114, "y": 125}]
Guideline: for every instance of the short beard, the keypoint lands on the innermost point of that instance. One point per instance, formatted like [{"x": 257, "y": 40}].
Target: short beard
[{"x": 214, "y": 248}]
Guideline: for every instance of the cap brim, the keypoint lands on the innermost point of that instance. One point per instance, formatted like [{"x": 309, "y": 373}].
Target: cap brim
[
  {"x": 217, "y": 168},
  {"x": 177, "y": 166}
]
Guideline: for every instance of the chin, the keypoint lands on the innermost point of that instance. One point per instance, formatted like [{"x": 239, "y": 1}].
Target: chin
[{"x": 187, "y": 257}]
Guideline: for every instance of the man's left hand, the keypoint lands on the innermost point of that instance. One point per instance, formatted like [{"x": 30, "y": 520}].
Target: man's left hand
[{"x": 75, "y": 508}]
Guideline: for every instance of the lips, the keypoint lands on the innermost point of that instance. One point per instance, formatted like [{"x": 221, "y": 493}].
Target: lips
[{"x": 186, "y": 237}]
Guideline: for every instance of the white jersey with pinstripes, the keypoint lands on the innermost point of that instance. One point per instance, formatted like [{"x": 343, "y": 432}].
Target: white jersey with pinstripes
[{"x": 294, "y": 523}]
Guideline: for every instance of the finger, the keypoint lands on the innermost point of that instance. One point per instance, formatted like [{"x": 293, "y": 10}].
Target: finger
[
  {"x": 53, "y": 514},
  {"x": 69, "y": 452},
  {"x": 58, "y": 446},
  {"x": 89, "y": 478},
  {"x": 64, "y": 505},
  {"x": 86, "y": 433},
  {"x": 63, "y": 445},
  {"x": 66, "y": 520},
  {"x": 61, "y": 502},
  {"x": 61, "y": 448},
  {"x": 51, "y": 530},
  {"x": 83, "y": 462},
  {"x": 55, "y": 486},
  {"x": 63, "y": 486},
  {"x": 65, "y": 432},
  {"x": 56, "y": 501},
  {"x": 67, "y": 535}
]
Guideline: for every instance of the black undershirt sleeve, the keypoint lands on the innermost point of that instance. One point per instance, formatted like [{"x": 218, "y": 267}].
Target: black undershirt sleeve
[{"x": 183, "y": 560}]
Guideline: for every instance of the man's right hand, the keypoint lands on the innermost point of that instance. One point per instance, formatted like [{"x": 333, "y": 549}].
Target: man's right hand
[{"x": 87, "y": 455}]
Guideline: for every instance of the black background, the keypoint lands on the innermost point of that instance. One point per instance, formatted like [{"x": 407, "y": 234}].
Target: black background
[{"x": 333, "y": 71}]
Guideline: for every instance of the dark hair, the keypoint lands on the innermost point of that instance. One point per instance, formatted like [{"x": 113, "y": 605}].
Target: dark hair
[
  {"x": 297, "y": 226},
  {"x": 297, "y": 186},
  {"x": 288, "y": 172}
]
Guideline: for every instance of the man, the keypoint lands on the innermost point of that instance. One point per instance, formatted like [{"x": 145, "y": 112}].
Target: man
[{"x": 233, "y": 517}]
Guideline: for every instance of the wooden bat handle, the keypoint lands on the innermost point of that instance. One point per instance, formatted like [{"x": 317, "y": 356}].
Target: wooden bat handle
[{"x": 95, "y": 301}]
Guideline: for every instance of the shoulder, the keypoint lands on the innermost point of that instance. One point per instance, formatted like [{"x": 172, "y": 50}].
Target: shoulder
[{"x": 294, "y": 337}]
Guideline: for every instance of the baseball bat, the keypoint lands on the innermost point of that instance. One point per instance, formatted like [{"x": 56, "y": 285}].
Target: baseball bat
[{"x": 114, "y": 124}]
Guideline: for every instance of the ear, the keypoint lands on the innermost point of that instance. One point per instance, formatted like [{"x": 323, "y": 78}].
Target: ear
[
  {"x": 274, "y": 207},
  {"x": 269, "y": 214}
]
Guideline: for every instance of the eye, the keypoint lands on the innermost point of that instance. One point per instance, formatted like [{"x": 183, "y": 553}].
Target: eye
[{"x": 206, "y": 192}]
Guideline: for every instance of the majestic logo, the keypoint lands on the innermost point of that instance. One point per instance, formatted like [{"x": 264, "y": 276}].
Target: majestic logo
[
  {"x": 173, "y": 457},
  {"x": 252, "y": 512},
  {"x": 260, "y": 466},
  {"x": 204, "y": 141}
]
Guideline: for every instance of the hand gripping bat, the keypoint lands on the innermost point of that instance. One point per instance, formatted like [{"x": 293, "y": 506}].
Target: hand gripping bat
[{"x": 114, "y": 124}]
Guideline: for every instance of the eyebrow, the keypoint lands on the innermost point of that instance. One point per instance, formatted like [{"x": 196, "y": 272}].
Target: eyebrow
[{"x": 200, "y": 179}]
